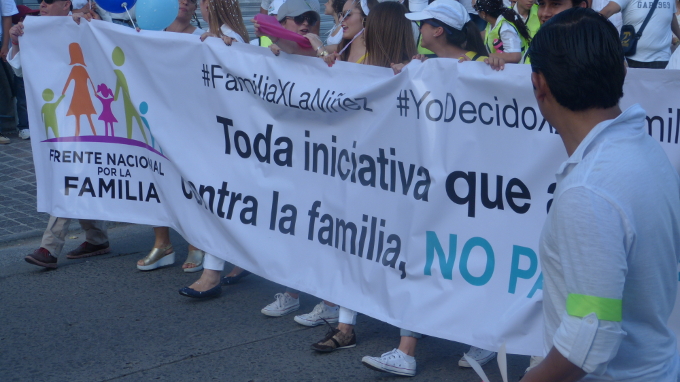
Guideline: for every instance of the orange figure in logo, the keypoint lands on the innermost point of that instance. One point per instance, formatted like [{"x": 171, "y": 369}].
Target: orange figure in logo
[{"x": 81, "y": 103}]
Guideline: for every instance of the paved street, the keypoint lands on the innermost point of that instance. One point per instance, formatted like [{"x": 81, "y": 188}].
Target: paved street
[{"x": 100, "y": 319}]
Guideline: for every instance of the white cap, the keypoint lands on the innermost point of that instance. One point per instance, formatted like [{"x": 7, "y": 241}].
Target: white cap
[
  {"x": 78, "y": 4},
  {"x": 274, "y": 7},
  {"x": 449, "y": 12}
]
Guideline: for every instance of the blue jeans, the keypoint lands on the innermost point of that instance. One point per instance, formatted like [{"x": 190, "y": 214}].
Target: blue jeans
[{"x": 22, "y": 112}]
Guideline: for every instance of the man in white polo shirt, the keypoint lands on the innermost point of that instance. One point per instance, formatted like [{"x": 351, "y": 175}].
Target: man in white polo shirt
[{"x": 610, "y": 244}]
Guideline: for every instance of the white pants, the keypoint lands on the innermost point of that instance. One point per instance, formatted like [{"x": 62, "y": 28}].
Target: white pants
[{"x": 213, "y": 263}]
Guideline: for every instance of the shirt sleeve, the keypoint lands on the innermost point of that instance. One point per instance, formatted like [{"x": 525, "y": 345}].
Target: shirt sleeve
[
  {"x": 15, "y": 62},
  {"x": 593, "y": 238},
  {"x": 622, "y": 3},
  {"x": 510, "y": 38},
  {"x": 9, "y": 8}
]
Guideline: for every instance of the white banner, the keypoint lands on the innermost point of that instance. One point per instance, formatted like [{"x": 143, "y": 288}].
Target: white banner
[{"x": 416, "y": 199}]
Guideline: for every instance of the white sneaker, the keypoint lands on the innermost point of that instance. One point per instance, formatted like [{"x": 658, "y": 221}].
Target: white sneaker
[
  {"x": 320, "y": 313},
  {"x": 283, "y": 305},
  {"x": 395, "y": 362},
  {"x": 24, "y": 134},
  {"x": 480, "y": 355}
]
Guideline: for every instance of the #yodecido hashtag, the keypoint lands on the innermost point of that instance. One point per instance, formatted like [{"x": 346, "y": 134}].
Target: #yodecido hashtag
[
  {"x": 206, "y": 75},
  {"x": 402, "y": 104}
]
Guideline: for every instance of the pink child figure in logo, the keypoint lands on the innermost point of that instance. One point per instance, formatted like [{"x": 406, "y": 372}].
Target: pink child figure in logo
[{"x": 106, "y": 114}]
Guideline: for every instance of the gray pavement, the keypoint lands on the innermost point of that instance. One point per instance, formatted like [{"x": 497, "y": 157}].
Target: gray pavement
[{"x": 100, "y": 319}]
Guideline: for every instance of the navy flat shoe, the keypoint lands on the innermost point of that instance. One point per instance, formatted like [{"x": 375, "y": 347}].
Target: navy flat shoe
[
  {"x": 213, "y": 292},
  {"x": 234, "y": 279}
]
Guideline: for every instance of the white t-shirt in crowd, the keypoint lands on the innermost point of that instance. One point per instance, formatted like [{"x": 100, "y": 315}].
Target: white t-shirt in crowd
[
  {"x": 510, "y": 37},
  {"x": 616, "y": 19},
  {"x": 609, "y": 254},
  {"x": 7, "y": 8},
  {"x": 655, "y": 43}
]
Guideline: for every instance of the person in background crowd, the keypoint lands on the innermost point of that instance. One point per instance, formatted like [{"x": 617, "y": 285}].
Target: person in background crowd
[
  {"x": 528, "y": 11},
  {"x": 162, "y": 253},
  {"x": 289, "y": 301},
  {"x": 352, "y": 48},
  {"x": 474, "y": 16},
  {"x": 7, "y": 10},
  {"x": 262, "y": 40},
  {"x": 334, "y": 8},
  {"x": 182, "y": 24},
  {"x": 389, "y": 39},
  {"x": 448, "y": 31},
  {"x": 97, "y": 241},
  {"x": 654, "y": 47},
  {"x": 610, "y": 244},
  {"x": 225, "y": 22},
  {"x": 549, "y": 8},
  {"x": 299, "y": 16},
  {"x": 316, "y": 7},
  {"x": 506, "y": 37}
]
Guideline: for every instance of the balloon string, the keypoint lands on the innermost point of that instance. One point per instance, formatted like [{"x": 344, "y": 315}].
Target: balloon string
[{"x": 131, "y": 20}]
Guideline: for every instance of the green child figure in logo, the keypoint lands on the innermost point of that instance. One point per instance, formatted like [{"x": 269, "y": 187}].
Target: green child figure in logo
[
  {"x": 121, "y": 84},
  {"x": 49, "y": 112}
]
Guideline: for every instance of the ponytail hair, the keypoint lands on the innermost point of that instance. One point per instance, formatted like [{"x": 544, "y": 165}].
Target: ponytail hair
[
  {"x": 469, "y": 38},
  {"x": 495, "y": 9}
]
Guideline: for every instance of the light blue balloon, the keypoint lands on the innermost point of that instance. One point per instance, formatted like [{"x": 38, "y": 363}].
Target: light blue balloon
[{"x": 156, "y": 14}]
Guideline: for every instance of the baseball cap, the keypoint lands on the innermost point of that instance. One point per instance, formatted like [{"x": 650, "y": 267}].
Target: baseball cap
[
  {"x": 23, "y": 12},
  {"x": 274, "y": 7},
  {"x": 292, "y": 8},
  {"x": 449, "y": 12}
]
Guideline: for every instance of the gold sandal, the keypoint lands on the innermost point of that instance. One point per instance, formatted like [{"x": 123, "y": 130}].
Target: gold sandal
[
  {"x": 194, "y": 257},
  {"x": 158, "y": 257}
]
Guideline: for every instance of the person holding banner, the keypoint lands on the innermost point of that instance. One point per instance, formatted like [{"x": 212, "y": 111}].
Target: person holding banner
[
  {"x": 610, "y": 243},
  {"x": 448, "y": 31},
  {"x": 389, "y": 39},
  {"x": 226, "y": 22},
  {"x": 162, "y": 252},
  {"x": 506, "y": 36},
  {"x": 297, "y": 16}
]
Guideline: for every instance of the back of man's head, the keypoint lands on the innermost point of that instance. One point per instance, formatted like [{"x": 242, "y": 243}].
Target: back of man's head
[{"x": 579, "y": 53}]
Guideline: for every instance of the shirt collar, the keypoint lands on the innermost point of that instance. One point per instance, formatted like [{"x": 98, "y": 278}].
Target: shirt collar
[{"x": 630, "y": 115}]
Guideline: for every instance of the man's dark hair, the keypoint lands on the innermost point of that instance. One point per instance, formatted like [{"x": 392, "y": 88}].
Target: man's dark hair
[
  {"x": 577, "y": 3},
  {"x": 579, "y": 53}
]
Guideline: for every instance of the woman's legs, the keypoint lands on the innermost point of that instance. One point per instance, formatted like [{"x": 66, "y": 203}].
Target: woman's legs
[{"x": 210, "y": 278}]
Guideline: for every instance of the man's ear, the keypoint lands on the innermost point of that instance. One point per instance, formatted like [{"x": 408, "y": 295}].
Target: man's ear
[
  {"x": 541, "y": 89},
  {"x": 438, "y": 32}
]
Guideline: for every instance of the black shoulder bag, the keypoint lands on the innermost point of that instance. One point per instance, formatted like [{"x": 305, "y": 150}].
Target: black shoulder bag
[{"x": 629, "y": 38}]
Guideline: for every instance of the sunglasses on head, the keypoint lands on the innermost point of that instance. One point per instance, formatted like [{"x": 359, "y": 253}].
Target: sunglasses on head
[{"x": 310, "y": 18}]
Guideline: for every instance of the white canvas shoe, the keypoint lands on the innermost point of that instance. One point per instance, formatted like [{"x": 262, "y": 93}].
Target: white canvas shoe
[
  {"x": 395, "y": 362},
  {"x": 283, "y": 305},
  {"x": 320, "y": 313}
]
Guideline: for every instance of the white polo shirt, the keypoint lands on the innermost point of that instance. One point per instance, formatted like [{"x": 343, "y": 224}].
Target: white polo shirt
[{"x": 609, "y": 253}]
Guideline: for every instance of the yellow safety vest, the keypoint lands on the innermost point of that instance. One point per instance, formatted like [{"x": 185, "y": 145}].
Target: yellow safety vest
[
  {"x": 474, "y": 56},
  {"x": 265, "y": 41},
  {"x": 533, "y": 23},
  {"x": 494, "y": 34}
]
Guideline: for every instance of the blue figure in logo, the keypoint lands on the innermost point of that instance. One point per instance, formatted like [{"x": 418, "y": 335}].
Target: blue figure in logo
[{"x": 143, "y": 108}]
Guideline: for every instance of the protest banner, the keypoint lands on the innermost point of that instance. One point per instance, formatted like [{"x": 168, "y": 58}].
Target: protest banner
[{"x": 417, "y": 199}]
